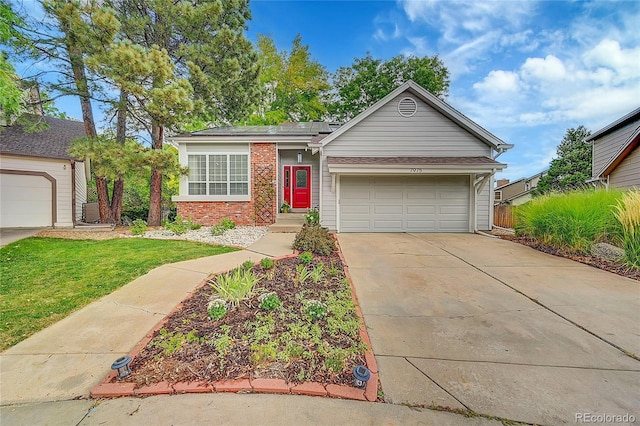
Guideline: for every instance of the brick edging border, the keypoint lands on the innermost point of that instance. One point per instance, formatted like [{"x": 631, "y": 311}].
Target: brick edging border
[{"x": 108, "y": 389}]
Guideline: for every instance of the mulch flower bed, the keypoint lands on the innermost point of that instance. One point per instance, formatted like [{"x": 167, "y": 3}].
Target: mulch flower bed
[
  {"x": 250, "y": 342},
  {"x": 597, "y": 262}
]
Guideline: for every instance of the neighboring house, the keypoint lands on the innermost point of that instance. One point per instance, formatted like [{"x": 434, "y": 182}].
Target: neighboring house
[
  {"x": 616, "y": 157},
  {"x": 40, "y": 184},
  {"x": 518, "y": 192},
  {"x": 409, "y": 163}
]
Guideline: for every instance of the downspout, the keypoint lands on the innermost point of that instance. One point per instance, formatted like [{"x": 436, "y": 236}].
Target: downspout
[{"x": 73, "y": 192}]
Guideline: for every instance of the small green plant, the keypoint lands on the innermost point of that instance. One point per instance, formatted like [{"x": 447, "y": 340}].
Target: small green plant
[
  {"x": 139, "y": 227},
  {"x": 285, "y": 207},
  {"x": 315, "y": 310},
  {"x": 302, "y": 275},
  {"x": 317, "y": 273},
  {"x": 269, "y": 301},
  {"x": 247, "y": 265},
  {"x": 267, "y": 263},
  {"x": 305, "y": 257},
  {"x": 333, "y": 270},
  {"x": 172, "y": 342},
  {"x": 217, "y": 308},
  {"x": 227, "y": 223},
  {"x": 261, "y": 354},
  {"x": 627, "y": 212},
  {"x": 334, "y": 360},
  {"x": 179, "y": 226},
  {"x": 315, "y": 239},
  {"x": 217, "y": 230},
  {"x": 223, "y": 344},
  {"x": 313, "y": 217},
  {"x": 235, "y": 286}
]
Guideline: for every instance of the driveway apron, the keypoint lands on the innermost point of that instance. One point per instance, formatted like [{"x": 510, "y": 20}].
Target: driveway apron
[{"x": 471, "y": 322}]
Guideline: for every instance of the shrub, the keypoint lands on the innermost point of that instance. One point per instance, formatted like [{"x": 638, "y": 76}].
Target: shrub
[
  {"x": 217, "y": 308},
  {"x": 179, "y": 226},
  {"x": 313, "y": 217},
  {"x": 269, "y": 301},
  {"x": 627, "y": 211},
  {"x": 235, "y": 286},
  {"x": 574, "y": 220},
  {"x": 227, "y": 223},
  {"x": 315, "y": 239},
  {"x": 315, "y": 310},
  {"x": 133, "y": 213},
  {"x": 247, "y": 265},
  {"x": 267, "y": 263},
  {"x": 139, "y": 227}
]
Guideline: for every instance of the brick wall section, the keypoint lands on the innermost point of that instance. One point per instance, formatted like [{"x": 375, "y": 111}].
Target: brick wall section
[
  {"x": 241, "y": 212},
  {"x": 264, "y": 154}
]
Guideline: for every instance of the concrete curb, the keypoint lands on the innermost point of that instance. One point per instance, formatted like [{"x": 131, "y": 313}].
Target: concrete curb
[{"x": 109, "y": 388}]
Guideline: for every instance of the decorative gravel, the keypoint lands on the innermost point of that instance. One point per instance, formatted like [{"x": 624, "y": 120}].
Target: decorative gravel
[{"x": 240, "y": 236}]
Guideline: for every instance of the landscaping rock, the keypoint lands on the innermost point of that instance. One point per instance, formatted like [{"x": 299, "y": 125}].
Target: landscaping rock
[{"x": 607, "y": 251}]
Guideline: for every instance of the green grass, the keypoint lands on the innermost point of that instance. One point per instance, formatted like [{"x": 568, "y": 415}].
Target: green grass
[
  {"x": 574, "y": 220},
  {"x": 42, "y": 280}
]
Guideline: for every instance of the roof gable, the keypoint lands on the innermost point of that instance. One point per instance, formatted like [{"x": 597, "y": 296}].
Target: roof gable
[
  {"x": 442, "y": 107},
  {"x": 52, "y": 142}
]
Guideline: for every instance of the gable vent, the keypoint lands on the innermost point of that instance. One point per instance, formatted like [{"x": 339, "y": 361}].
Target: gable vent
[{"x": 407, "y": 107}]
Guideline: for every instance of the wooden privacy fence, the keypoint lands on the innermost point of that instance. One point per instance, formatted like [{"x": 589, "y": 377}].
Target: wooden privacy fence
[{"x": 503, "y": 216}]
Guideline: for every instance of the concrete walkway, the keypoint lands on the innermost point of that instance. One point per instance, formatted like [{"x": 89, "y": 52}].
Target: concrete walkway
[
  {"x": 47, "y": 378},
  {"x": 471, "y": 322}
]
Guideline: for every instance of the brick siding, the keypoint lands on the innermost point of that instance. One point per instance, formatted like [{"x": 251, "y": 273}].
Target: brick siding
[{"x": 208, "y": 213}]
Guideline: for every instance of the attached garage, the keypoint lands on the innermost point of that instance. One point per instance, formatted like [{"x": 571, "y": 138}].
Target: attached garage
[
  {"x": 404, "y": 203},
  {"x": 26, "y": 200}
]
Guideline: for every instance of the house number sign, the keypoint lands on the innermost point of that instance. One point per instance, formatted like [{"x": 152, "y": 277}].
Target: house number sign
[{"x": 415, "y": 170}]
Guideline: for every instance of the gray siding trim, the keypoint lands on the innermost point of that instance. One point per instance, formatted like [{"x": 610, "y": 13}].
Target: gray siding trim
[
  {"x": 627, "y": 174},
  {"x": 607, "y": 147}
]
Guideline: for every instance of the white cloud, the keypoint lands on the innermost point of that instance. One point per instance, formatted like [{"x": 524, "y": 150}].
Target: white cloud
[
  {"x": 549, "y": 69},
  {"x": 499, "y": 81},
  {"x": 609, "y": 54}
]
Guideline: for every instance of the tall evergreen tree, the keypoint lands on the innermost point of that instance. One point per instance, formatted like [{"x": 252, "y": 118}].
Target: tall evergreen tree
[
  {"x": 205, "y": 68},
  {"x": 572, "y": 166}
]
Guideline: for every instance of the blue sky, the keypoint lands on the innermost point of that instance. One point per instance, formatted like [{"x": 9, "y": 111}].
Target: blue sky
[{"x": 525, "y": 70}]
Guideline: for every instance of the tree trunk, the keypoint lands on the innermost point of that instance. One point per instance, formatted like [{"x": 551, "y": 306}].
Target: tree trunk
[
  {"x": 76, "y": 60},
  {"x": 121, "y": 137},
  {"x": 155, "y": 190}
]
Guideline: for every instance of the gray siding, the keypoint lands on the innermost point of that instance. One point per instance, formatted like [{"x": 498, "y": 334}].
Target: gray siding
[
  {"x": 606, "y": 147},
  {"x": 386, "y": 133},
  {"x": 627, "y": 174},
  {"x": 482, "y": 206}
]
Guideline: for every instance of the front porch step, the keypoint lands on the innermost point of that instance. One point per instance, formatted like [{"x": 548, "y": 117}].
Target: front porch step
[{"x": 288, "y": 222}]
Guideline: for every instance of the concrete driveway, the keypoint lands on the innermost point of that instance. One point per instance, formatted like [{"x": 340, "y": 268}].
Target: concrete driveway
[
  {"x": 9, "y": 235},
  {"x": 471, "y": 322}
]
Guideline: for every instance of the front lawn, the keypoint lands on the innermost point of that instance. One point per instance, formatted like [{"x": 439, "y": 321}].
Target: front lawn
[{"x": 42, "y": 280}]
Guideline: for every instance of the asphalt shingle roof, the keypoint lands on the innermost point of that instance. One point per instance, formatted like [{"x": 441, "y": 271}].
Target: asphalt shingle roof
[{"x": 52, "y": 142}]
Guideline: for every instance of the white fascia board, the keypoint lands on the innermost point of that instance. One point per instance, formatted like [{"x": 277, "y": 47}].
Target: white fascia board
[{"x": 413, "y": 170}]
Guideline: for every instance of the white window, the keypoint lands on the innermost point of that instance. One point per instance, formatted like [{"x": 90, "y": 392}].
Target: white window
[{"x": 218, "y": 174}]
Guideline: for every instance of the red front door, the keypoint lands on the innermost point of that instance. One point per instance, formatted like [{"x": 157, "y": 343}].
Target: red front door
[{"x": 297, "y": 186}]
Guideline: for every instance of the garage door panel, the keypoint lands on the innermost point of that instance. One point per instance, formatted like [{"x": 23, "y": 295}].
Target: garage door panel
[
  {"x": 388, "y": 210},
  {"x": 25, "y": 201},
  {"x": 421, "y": 210},
  {"x": 404, "y": 204}
]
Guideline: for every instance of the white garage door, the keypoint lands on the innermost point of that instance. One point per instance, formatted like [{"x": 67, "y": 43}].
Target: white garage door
[
  {"x": 404, "y": 204},
  {"x": 25, "y": 201}
]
